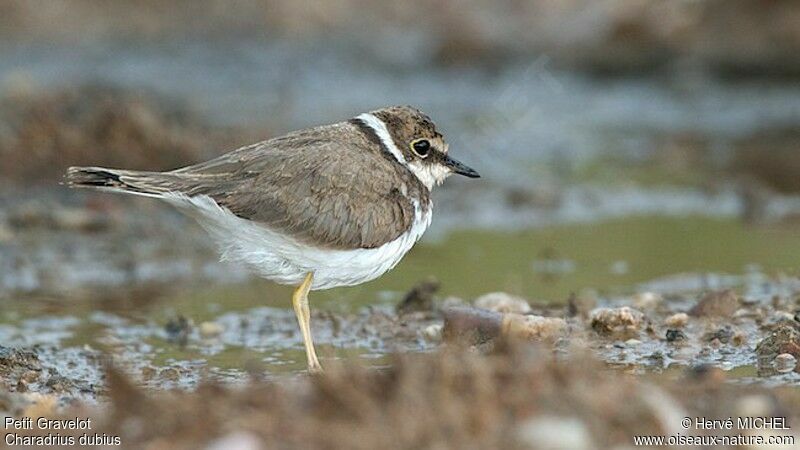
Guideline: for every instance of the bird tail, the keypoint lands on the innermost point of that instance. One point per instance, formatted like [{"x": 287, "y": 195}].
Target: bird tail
[{"x": 148, "y": 184}]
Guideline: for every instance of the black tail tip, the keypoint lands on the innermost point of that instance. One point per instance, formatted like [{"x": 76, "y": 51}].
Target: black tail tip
[{"x": 91, "y": 176}]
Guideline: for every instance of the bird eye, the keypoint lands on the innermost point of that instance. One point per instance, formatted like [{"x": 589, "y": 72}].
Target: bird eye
[{"x": 421, "y": 147}]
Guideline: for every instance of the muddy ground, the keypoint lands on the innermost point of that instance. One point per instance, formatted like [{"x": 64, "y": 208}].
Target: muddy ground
[
  {"x": 512, "y": 396},
  {"x": 498, "y": 371},
  {"x": 755, "y": 339}
]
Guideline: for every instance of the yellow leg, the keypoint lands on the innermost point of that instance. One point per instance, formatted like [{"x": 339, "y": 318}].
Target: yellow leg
[{"x": 303, "y": 313}]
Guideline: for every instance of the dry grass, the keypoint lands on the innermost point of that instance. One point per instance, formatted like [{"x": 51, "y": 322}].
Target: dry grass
[{"x": 451, "y": 399}]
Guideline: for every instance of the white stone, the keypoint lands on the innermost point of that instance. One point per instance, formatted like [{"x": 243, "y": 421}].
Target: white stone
[
  {"x": 503, "y": 303},
  {"x": 613, "y": 320},
  {"x": 210, "y": 330},
  {"x": 785, "y": 363},
  {"x": 554, "y": 433},
  {"x": 238, "y": 440},
  {"x": 647, "y": 300},
  {"x": 433, "y": 332},
  {"x": 678, "y": 320},
  {"x": 531, "y": 327}
]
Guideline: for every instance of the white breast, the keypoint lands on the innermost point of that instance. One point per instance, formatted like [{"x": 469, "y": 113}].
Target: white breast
[{"x": 284, "y": 260}]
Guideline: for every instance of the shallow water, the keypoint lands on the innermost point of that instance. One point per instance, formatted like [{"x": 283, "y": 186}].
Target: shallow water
[
  {"x": 608, "y": 261},
  {"x": 545, "y": 264}
]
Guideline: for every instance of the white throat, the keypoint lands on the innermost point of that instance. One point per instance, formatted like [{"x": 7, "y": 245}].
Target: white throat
[{"x": 429, "y": 174}]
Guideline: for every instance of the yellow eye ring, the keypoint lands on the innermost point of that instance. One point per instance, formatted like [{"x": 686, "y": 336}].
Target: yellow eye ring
[{"x": 421, "y": 147}]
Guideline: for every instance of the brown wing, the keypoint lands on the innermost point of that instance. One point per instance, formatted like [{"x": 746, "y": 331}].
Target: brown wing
[{"x": 323, "y": 186}]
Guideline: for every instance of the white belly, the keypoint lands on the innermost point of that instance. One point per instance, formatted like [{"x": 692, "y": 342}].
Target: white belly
[{"x": 284, "y": 260}]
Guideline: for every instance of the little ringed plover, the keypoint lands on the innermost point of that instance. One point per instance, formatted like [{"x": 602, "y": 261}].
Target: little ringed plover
[{"x": 329, "y": 206}]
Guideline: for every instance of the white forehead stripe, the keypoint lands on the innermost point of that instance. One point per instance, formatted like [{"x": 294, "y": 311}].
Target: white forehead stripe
[{"x": 382, "y": 132}]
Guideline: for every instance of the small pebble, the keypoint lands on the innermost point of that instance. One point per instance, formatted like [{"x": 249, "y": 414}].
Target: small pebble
[
  {"x": 420, "y": 297},
  {"x": 554, "y": 433},
  {"x": 616, "y": 320},
  {"x": 30, "y": 376},
  {"x": 647, "y": 300},
  {"x": 633, "y": 342},
  {"x": 238, "y": 440},
  {"x": 471, "y": 325},
  {"x": 785, "y": 339},
  {"x": 433, "y": 332},
  {"x": 785, "y": 362},
  {"x": 678, "y": 320},
  {"x": 657, "y": 357},
  {"x": 675, "y": 335},
  {"x": 210, "y": 330},
  {"x": 739, "y": 339},
  {"x": 178, "y": 329},
  {"x": 717, "y": 304},
  {"x": 530, "y": 327},
  {"x": 503, "y": 303},
  {"x": 148, "y": 373},
  {"x": 170, "y": 373},
  {"x": 722, "y": 335}
]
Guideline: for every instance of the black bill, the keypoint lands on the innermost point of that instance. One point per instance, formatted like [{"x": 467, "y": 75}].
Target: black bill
[{"x": 460, "y": 168}]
